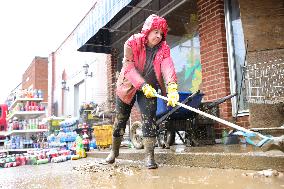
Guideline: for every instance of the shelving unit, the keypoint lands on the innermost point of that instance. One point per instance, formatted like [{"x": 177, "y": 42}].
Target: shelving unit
[{"x": 28, "y": 122}]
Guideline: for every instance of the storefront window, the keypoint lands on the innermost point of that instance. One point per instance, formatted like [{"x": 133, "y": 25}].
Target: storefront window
[
  {"x": 237, "y": 53},
  {"x": 185, "y": 51},
  {"x": 186, "y": 57}
]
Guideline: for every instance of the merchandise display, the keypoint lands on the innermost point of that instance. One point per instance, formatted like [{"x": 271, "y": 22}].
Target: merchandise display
[
  {"x": 36, "y": 157},
  {"x": 31, "y": 139},
  {"x": 66, "y": 136},
  {"x": 26, "y": 129}
]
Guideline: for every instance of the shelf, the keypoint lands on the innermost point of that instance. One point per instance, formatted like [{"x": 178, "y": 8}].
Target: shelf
[
  {"x": 26, "y": 131},
  {"x": 23, "y": 100},
  {"x": 26, "y": 114},
  {"x": 21, "y": 149},
  {"x": 3, "y": 151},
  {"x": 7, "y": 133},
  {"x": 3, "y": 133}
]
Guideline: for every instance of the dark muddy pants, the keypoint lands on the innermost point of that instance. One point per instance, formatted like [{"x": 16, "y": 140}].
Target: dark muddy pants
[{"x": 147, "y": 106}]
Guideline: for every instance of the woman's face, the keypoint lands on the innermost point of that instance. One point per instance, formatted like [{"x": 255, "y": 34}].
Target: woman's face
[{"x": 154, "y": 38}]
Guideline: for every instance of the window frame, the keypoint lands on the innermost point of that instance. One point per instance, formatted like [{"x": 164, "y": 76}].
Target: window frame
[{"x": 231, "y": 61}]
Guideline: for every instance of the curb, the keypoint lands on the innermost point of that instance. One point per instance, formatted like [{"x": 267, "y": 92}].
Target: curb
[{"x": 246, "y": 161}]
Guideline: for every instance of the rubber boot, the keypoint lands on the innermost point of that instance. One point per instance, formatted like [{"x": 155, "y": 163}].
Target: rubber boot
[
  {"x": 116, "y": 141},
  {"x": 149, "y": 145}
]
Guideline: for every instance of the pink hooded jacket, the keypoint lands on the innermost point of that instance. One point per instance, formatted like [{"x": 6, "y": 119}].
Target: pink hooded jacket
[{"x": 130, "y": 79}]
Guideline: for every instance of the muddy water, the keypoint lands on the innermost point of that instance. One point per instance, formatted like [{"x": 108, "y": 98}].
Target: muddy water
[{"x": 92, "y": 173}]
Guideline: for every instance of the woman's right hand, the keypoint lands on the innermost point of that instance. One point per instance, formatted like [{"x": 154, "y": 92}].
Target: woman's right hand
[{"x": 148, "y": 91}]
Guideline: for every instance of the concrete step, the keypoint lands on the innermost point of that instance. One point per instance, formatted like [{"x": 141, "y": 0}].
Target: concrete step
[{"x": 244, "y": 157}]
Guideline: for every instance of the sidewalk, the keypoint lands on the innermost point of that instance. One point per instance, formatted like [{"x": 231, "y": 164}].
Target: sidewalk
[{"x": 244, "y": 157}]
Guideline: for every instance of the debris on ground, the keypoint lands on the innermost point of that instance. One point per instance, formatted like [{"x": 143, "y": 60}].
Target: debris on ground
[
  {"x": 265, "y": 173},
  {"x": 110, "y": 170},
  {"x": 276, "y": 143}
]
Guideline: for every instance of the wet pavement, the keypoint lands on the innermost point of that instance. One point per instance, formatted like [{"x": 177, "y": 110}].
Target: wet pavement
[
  {"x": 245, "y": 157},
  {"x": 93, "y": 173}
]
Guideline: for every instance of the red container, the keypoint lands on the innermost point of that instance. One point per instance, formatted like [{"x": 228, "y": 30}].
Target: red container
[
  {"x": 53, "y": 155},
  {"x": 23, "y": 160},
  {"x": 3, "y": 115},
  {"x": 18, "y": 159}
]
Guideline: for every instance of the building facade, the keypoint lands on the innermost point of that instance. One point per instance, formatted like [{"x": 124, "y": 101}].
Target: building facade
[
  {"x": 75, "y": 78},
  {"x": 211, "y": 41}
]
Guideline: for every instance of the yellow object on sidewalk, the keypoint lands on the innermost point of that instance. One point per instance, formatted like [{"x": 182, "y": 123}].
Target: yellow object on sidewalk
[
  {"x": 75, "y": 157},
  {"x": 103, "y": 135},
  {"x": 81, "y": 153}
]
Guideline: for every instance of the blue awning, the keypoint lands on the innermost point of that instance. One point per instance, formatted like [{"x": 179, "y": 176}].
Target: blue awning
[{"x": 101, "y": 13}]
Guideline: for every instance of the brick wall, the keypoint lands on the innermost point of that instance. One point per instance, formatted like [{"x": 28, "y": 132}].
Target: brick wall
[
  {"x": 112, "y": 61},
  {"x": 263, "y": 27},
  {"x": 36, "y": 75},
  {"x": 214, "y": 58},
  {"x": 263, "y": 31},
  {"x": 243, "y": 121},
  {"x": 41, "y": 74},
  {"x": 28, "y": 78}
]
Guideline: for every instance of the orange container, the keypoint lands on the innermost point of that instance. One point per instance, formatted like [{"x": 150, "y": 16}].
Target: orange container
[{"x": 103, "y": 135}]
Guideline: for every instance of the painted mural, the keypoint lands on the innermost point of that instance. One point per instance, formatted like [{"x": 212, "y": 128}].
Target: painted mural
[{"x": 186, "y": 56}]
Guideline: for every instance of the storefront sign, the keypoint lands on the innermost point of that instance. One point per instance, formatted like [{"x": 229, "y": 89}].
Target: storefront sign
[{"x": 98, "y": 17}]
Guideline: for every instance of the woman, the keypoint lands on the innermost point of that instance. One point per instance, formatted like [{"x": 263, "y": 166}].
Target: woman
[{"x": 147, "y": 67}]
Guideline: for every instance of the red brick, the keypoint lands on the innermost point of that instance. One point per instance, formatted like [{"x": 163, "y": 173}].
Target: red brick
[{"x": 36, "y": 75}]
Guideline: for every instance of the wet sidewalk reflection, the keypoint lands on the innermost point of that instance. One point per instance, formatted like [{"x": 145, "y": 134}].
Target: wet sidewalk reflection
[{"x": 93, "y": 173}]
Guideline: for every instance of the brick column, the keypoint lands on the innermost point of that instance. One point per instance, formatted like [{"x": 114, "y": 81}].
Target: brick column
[
  {"x": 214, "y": 58},
  {"x": 112, "y": 61},
  {"x": 111, "y": 78}
]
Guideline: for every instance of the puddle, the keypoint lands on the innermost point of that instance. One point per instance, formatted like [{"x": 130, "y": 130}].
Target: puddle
[{"x": 92, "y": 173}]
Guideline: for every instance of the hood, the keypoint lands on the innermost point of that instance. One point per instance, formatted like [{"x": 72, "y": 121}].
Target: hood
[{"x": 155, "y": 22}]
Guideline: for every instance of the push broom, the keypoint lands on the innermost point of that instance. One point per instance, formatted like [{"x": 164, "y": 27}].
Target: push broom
[{"x": 249, "y": 135}]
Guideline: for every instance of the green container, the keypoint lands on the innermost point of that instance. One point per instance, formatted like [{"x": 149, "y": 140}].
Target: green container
[
  {"x": 42, "y": 161},
  {"x": 33, "y": 160}
]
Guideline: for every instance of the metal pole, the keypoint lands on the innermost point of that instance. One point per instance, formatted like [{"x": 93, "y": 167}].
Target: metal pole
[{"x": 86, "y": 89}]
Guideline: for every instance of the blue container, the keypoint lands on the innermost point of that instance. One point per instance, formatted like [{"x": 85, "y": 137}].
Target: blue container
[{"x": 162, "y": 107}]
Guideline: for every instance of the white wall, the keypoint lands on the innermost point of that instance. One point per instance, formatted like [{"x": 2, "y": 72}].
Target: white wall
[{"x": 69, "y": 59}]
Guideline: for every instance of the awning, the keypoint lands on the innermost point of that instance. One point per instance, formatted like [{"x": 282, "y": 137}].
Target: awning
[
  {"x": 109, "y": 28},
  {"x": 101, "y": 13}
]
